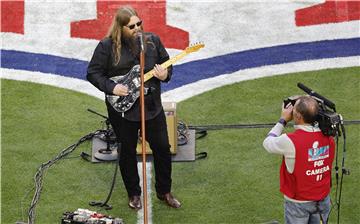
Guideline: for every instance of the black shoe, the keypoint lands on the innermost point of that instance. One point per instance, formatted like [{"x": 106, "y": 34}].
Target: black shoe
[
  {"x": 135, "y": 202},
  {"x": 169, "y": 199}
]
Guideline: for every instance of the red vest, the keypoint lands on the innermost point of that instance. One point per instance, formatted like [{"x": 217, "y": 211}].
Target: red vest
[{"x": 310, "y": 180}]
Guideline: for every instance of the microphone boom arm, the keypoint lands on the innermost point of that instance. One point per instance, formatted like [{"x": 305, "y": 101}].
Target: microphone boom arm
[{"x": 309, "y": 91}]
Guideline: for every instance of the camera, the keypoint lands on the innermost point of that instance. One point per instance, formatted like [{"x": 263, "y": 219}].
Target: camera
[
  {"x": 327, "y": 119},
  {"x": 291, "y": 99}
]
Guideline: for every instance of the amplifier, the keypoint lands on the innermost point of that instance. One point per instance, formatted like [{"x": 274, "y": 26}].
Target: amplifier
[{"x": 171, "y": 121}]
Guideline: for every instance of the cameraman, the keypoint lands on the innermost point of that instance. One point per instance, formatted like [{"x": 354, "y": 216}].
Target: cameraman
[{"x": 305, "y": 172}]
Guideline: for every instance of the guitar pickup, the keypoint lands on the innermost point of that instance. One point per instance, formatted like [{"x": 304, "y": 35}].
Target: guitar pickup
[{"x": 136, "y": 82}]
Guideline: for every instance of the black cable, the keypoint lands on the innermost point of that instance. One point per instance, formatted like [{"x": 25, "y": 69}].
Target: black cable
[
  {"x": 38, "y": 178},
  {"x": 22, "y": 204},
  {"x": 344, "y": 171},
  {"x": 242, "y": 126},
  {"x": 182, "y": 139},
  {"x": 351, "y": 122},
  {"x": 182, "y": 133},
  {"x": 201, "y": 133},
  {"x": 229, "y": 126},
  {"x": 85, "y": 156},
  {"x": 200, "y": 155},
  {"x": 337, "y": 167},
  {"x": 104, "y": 204}
]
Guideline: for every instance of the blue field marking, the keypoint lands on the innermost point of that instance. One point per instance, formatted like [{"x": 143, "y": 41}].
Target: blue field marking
[
  {"x": 44, "y": 63},
  {"x": 196, "y": 70},
  {"x": 202, "y": 69}
]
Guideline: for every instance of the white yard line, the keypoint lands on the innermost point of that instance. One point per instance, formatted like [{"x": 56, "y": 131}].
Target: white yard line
[
  {"x": 140, "y": 213},
  {"x": 52, "y": 80},
  {"x": 196, "y": 88}
]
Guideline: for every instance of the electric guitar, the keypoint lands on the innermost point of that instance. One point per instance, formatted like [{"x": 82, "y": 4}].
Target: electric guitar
[{"x": 132, "y": 81}]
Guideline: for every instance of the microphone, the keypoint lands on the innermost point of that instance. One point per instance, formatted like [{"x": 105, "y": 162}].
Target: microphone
[
  {"x": 313, "y": 93},
  {"x": 141, "y": 38}
]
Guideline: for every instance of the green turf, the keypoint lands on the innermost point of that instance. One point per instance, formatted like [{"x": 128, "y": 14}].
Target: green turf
[{"x": 237, "y": 183}]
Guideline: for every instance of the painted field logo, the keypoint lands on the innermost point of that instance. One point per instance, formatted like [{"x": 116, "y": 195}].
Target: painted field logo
[{"x": 316, "y": 153}]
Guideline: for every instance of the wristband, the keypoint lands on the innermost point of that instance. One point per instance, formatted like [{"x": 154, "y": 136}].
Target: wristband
[{"x": 282, "y": 121}]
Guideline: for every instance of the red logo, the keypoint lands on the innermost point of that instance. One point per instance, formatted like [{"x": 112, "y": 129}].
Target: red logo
[
  {"x": 332, "y": 11},
  {"x": 12, "y": 16},
  {"x": 152, "y": 12}
]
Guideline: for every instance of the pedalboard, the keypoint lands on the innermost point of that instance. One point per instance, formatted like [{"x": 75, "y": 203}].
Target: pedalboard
[{"x": 85, "y": 216}]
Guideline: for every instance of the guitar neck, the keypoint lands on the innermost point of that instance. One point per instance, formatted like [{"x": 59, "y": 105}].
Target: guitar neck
[{"x": 166, "y": 64}]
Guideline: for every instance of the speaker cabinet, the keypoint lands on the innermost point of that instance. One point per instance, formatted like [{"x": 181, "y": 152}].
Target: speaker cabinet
[{"x": 171, "y": 121}]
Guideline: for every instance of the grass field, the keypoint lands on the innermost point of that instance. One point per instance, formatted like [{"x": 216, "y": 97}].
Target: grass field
[{"x": 237, "y": 183}]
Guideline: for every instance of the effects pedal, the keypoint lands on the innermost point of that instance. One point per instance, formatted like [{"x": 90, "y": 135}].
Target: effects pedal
[{"x": 85, "y": 216}]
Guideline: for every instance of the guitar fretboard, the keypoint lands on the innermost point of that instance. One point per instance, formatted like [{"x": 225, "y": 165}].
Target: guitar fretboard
[{"x": 166, "y": 64}]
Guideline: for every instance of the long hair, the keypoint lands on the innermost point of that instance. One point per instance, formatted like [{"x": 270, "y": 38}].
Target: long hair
[{"x": 120, "y": 20}]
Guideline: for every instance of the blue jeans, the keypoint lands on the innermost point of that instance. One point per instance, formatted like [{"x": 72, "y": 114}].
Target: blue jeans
[{"x": 307, "y": 213}]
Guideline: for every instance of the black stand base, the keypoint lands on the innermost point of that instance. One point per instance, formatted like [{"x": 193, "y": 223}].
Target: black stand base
[
  {"x": 184, "y": 153},
  {"x": 106, "y": 155}
]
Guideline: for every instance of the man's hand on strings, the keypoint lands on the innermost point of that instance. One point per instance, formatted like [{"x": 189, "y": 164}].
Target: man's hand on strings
[
  {"x": 160, "y": 72},
  {"x": 120, "y": 90}
]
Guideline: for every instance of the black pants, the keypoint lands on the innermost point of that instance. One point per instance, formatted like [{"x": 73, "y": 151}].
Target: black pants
[{"x": 156, "y": 134}]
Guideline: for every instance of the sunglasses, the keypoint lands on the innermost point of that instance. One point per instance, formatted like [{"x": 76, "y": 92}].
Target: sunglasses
[{"x": 133, "y": 25}]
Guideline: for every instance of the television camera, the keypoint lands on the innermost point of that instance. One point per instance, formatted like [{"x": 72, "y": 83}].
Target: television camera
[{"x": 327, "y": 119}]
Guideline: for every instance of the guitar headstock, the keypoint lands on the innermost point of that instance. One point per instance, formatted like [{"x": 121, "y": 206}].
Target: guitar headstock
[{"x": 194, "y": 47}]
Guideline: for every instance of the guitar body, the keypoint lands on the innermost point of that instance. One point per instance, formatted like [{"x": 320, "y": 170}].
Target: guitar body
[{"x": 132, "y": 81}]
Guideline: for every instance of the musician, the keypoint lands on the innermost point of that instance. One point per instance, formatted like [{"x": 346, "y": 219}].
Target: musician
[
  {"x": 305, "y": 173},
  {"x": 115, "y": 55}
]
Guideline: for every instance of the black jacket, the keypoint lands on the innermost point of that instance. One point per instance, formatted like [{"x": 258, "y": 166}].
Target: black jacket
[{"x": 101, "y": 68}]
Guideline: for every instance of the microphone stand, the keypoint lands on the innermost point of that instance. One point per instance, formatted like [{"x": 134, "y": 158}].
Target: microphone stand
[
  {"x": 105, "y": 154},
  {"x": 143, "y": 142}
]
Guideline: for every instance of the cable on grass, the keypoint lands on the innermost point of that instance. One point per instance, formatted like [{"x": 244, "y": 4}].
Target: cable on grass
[{"x": 39, "y": 175}]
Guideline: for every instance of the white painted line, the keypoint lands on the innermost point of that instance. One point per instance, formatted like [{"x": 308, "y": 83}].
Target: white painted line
[
  {"x": 52, "y": 80},
  {"x": 140, "y": 213},
  {"x": 196, "y": 88}
]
